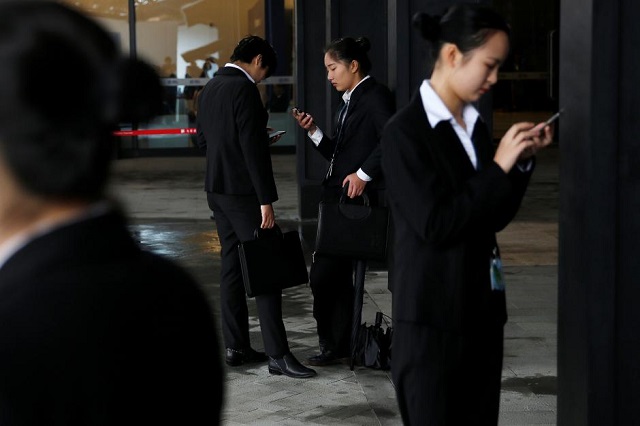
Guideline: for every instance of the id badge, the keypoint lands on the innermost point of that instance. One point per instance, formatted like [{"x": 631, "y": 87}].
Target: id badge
[{"x": 497, "y": 277}]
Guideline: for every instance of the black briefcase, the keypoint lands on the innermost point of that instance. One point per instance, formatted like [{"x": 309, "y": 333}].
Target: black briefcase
[
  {"x": 358, "y": 231},
  {"x": 272, "y": 261}
]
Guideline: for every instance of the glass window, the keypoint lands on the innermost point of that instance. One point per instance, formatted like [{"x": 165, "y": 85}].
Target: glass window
[
  {"x": 187, "y": 41},
  {"x": 112, "y": 14}
]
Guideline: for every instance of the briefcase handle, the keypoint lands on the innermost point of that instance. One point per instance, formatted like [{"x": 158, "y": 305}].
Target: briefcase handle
[
  {"x": 260, "y": 233},
  {"x": 343, "y": 197}
]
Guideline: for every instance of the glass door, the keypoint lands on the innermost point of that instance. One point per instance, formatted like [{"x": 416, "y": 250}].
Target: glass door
[{"x": 187, "y": 41}]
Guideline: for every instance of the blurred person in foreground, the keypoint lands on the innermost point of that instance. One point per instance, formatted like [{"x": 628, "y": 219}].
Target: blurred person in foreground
[{"x": 94, "y": 330}]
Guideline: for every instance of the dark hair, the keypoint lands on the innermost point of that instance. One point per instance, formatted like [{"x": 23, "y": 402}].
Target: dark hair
[
  {"x": 468, "y": 26},
  {"x": 56, "y": 129},
  {"x": 348, "y": 49},
  {"x": 252, "y": 46}
]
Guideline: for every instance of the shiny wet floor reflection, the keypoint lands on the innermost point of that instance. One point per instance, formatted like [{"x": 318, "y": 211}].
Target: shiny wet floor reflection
[
  {"x": 183, "y": 239},
  {"x": 177, "y": 240},
  {"x": 195, "y": 246}
]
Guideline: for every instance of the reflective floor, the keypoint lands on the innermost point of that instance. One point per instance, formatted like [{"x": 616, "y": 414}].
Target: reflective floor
[{"x": 169, "y": 215}]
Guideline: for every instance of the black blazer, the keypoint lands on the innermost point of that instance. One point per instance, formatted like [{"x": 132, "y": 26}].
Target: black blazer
[
  {"x": 95, "y": 331},
  {"x": 445, "y": 215},
  {"x": 232, "y": 123},
  {"x": 370, "y": 106}
]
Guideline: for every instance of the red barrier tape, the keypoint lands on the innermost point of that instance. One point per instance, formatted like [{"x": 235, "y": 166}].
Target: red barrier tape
[{"x": 185, "y": 131}]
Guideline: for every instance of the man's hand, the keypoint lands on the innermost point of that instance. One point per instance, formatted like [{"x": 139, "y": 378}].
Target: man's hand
[
  {"x": 273, "y": 139},
  {"x": 268, "y": 217}
]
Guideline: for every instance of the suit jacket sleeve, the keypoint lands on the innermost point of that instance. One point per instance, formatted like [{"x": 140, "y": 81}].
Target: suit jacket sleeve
[
  {"x": 519, "y": 182},
  {"x": 381, "y": 109},
  {"x": 200, "y": 139},
  {"x": 326, "y": 146},
  {"x": 251, "y": 119}
]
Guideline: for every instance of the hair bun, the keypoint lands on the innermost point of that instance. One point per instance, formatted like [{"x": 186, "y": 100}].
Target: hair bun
[
  {"x": 428, "y": 25},
  {"x": 141, "y": 92},
  {"x": 364, "y": 44}
]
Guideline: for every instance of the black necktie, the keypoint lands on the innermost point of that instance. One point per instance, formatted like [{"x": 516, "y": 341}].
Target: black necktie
[{"x": 341, "y": 118}]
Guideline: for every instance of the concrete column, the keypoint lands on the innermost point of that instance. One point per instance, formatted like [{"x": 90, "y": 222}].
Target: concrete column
[{"x": 598, "y": 320}]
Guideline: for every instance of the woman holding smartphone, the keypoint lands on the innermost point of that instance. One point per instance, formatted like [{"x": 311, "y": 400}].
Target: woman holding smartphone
[
  {"x": 449, "y": 194},
  {"x": 353, "y": 154}
]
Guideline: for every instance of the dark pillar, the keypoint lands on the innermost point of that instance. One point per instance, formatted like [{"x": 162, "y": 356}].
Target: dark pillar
[
  {"x": 598, "y": 320},
  {"x": 276, "y": 33}
]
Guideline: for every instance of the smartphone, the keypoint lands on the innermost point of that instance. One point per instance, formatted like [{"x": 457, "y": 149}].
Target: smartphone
[
  {"x": 297, "y": 111},
  {"x": 553, "y": 118},
  {"x": 276, "y": 133}
]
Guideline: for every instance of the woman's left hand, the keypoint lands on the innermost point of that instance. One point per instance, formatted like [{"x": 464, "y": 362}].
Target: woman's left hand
[
  {"x": 542, "y": 136},
  {"x": 356, "y": 185}
]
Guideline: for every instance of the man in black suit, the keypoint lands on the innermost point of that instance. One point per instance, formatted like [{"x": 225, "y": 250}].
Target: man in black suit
[
  {"x": 94, "y": 330},
  {"x": 232, "y": 127}
]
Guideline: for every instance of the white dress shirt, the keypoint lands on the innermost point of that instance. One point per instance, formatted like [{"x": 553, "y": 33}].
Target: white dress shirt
[{"x": 437, "y": 111}]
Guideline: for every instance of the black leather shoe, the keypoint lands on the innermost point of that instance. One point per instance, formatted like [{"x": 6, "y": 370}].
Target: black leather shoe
[
  {"x": 325, "y": 358},
  {"x": 289, "y": 366},
  {"x": 236, "y": 357}
]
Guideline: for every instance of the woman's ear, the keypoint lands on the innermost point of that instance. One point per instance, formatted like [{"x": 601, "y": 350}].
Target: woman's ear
[
  {"x": 450, "y": 55},
  {"x": 354, "y": 67}
]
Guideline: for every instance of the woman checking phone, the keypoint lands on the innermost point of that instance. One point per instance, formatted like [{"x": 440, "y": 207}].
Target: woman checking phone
[
  {"x": 449, "y": 193},
  {"x": 353, "y": 154}
]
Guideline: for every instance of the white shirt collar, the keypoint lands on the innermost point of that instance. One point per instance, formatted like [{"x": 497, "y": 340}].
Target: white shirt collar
[
  {"x": 346, "y": 96},
  {"x": 437, "y": 111},
  {"x": 229, "y": 64}
]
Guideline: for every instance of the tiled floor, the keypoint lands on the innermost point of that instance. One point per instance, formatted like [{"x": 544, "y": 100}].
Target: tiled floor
[{"x": 169, "y": 215}]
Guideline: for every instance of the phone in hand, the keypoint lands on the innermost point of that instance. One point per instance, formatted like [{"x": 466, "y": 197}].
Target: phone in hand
[
  {"x": 276, "y": 133},
  {"x": 297, "y": 111},
  {"x": 540, "y": 127},
  {"x": 553, "y": 118}
]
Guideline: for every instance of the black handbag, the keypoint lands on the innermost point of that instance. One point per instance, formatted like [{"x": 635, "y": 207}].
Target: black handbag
[
  {"x": 358, "y": 231},
  {"x": 272, "y": 261}
]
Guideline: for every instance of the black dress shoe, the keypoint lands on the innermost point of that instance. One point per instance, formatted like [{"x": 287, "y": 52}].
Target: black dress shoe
[
  {"x": 289, "y": 366},
  {"x": 325, "y": 358},
  {"x": 236, "y": 357}
]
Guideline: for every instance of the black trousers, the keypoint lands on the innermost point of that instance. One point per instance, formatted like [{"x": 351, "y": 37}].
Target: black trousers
[
  {"x": 236, "y": 219},
  {"x": 444, "y": 378},
  {"x": 331, "y": 281}
]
